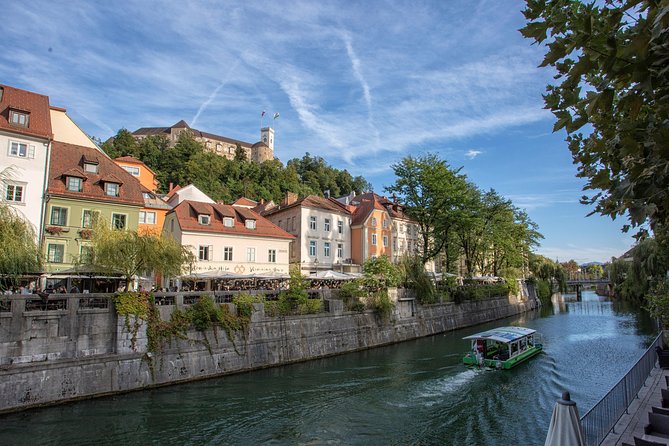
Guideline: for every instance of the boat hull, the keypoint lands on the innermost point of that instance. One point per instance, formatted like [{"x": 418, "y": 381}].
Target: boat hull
[{"x": 470, "y": 359}]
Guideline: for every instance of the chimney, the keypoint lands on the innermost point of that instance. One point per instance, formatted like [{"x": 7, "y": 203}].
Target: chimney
[
  {"x": 171, "y": 187},
  {"x": 290, "y": 198},
  {"x": 327, "y": 193},
  {"x": 262, "y": 201}
]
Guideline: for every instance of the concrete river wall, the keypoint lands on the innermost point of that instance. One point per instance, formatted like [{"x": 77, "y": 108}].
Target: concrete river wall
[{"x": 75, "y": 346}]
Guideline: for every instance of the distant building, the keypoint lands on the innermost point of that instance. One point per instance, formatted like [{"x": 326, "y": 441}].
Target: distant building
[
  {"x": 262, "y": 150},
  {"x": 178, "y": 194},
  {"x": 322, "y": 228}
]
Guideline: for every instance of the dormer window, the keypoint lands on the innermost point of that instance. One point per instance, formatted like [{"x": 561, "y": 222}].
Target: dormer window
[
  {"x": 112, "y": 189},
  {"x": 250, "y": 224},
  {"x": 228, "y": 222},
  {"x": 19, "y": 118},
  {"x": 147, "y": 196},
  {"x": 203, "y": 219},
  {"x": 90, "y": 168},
  {"x": 74, "y": 184}
]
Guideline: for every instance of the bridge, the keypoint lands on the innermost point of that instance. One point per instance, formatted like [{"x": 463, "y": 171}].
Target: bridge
[{"x": 578, "y": 284}]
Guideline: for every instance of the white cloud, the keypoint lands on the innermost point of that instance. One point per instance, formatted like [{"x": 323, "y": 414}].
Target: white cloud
[{"x": 471, "y": 154}]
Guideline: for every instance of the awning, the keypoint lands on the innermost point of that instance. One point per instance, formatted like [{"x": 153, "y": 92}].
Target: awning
[{"x": 565, "y": 428}]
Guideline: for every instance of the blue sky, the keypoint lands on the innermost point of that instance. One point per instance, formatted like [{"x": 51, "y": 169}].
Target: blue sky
[{"x": 359, "y": 83}]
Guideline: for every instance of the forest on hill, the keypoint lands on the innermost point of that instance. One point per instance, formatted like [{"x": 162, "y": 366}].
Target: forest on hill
[{"x": 188, "y": 162}]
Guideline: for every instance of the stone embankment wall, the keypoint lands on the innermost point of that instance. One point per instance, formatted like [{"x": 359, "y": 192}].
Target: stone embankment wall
[{"x": 75, "y": 346}]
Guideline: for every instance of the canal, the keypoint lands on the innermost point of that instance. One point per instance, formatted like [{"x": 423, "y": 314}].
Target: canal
[{"x": 412, "y": 393}]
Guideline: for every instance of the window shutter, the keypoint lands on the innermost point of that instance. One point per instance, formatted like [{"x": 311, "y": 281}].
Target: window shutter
[
  {"x": 211, "y": 252},
  {"x": 31, "y": 151}
]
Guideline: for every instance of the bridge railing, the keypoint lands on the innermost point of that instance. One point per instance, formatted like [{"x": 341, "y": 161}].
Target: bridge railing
[{"x": 602, "y": 418}]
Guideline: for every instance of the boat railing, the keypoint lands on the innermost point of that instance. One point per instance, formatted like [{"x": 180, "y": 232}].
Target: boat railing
[{"x": 602, "y": 418}]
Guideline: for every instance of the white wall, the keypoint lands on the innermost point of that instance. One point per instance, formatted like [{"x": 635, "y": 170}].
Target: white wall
[
  {"x": 29, "y": 172},
  {"x": 66, "y": 130},
  {"x": 191, "y": 193},
  {"x": 321, "y": 236}
]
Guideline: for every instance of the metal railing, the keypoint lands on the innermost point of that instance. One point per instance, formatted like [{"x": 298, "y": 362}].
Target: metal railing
[{"x": 602, "y": 418}]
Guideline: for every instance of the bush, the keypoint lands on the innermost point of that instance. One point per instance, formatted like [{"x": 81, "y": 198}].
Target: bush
[
  {"x": 380, "y": 273},
  {"x": 479, "y": 292},
  {"x": 244, "y": 303},
  {"x": 417, "y": 279},
  {"x": 382, "y": 304},
  {"x": 544, "y": 291},
  {"x": 351, "y": 292}
]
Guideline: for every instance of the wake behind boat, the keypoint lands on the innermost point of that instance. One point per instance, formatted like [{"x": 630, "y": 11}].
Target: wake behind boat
[{"x": 502, "y": 348}]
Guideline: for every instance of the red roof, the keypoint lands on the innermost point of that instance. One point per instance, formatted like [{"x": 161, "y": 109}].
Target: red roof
[
  {"x": 395, "y": 210},
  {"x": 243, "y": 201},
  {"x": 132, "y": 160},
  {"x": 365, "y": 208},
  {"x": 37, "y": 105},
  {"x": 68, "y": 158},
  {"x": 187, "y": 214},
  {"x": 313, "y": 201}
]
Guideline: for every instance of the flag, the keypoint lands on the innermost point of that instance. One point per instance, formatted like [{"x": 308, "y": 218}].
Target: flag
[
  {"x": 276, "y": 115},
  {"x": 262, "y": 114}
]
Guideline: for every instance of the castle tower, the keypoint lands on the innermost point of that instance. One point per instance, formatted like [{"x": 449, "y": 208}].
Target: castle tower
[{"x": 267, "y": 136}]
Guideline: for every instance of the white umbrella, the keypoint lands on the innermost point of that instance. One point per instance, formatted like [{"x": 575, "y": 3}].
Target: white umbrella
[{"x": 565, "y": 428}]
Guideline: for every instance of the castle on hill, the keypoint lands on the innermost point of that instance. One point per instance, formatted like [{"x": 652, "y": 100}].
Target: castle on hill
[{"x": 262, "y": 150}]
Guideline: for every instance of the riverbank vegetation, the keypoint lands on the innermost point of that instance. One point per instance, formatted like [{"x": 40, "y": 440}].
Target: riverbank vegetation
[
  {"x": 19, "y": 253},
  {"x": 458, "y": 221}
]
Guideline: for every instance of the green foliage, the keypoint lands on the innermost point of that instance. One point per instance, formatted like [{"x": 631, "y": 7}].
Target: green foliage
[
  {"x": 417, "y": 279},
  {"x": 351, "y": 293},
  {"x": 610, "y": 95},
  {"x": 657, "y": 303},
  {"x": 135, "y": 307},
  {"x": 479, "y": 292},
  {"x": 380, "y": 273},
  {"x": 244, "y": 303},
  {"x": 19, "y": 253},
  {"x": 295, "y": 300},
  {"x": 222, "y": 179},
  {"x": 544, "y": 291},
  {"x": 634, "y": 278},
  {"x": 382, "y": 304},
  {"x": 130, "y": 253}
]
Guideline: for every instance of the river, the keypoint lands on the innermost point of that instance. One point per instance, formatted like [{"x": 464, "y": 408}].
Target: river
[{"x": 415, "y": 393}]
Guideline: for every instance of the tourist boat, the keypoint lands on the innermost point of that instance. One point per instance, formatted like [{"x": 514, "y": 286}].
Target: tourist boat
[{"x": 502, "y": 348}]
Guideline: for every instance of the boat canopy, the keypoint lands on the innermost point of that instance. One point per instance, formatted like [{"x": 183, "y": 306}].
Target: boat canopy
[{"x": 503, "y": 334}]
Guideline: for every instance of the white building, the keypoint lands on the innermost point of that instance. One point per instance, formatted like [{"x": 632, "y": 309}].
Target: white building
[
  {"x": 228, "y": 238},
  {"x": 187, "y": 193},
  {"x": 322, "y": 227},
  {"x": 25, "y": 144}
]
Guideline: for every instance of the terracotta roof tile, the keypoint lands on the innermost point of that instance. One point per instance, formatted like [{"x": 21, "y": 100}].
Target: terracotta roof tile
[
  {"x": 243, "y": 201},
  {"x": 65, "y": 157},
  {"x": 200, "y": 208},
  {"x": 75, "y": 172},
  {"x": 37, "y": 105},
  {"x": 189, "y": 222},
  {"x": 313, "y": 201}
]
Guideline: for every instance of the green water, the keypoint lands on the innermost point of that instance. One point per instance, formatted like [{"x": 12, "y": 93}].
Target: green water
[{"x": 411, "y": 393}]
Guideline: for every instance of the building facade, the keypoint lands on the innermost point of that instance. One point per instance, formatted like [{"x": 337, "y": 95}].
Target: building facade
[
  {"x": 84, "y": 184},
  {"x": 322, "y": 228},
  {"x": 371, "y": 230},
  {"x": 229, "y": 239},
  {"x": 262, "y": 150},
  {"x": 25, "y": 145}
]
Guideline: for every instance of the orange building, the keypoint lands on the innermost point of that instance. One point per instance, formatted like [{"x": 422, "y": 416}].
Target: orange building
[
  {"x": 371, "y": 230},
  {"x": 152, "y": 215}
]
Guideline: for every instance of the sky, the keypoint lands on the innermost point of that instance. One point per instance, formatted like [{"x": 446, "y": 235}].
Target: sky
[{"x": 360, "y": 83}]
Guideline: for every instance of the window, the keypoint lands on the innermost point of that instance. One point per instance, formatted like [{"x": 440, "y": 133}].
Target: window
[
  {"x": 250, "y": 254},
  {"x": 385, "y": 241},
  {"x": 326, "y": 249},
  {"x": 205, "y": 252},
  {"x": 87, "y": 218},
  {"x": 134, "y": 171},
  {"x": 118, "y": 221},
  {"x": 271, "y": 256},
  {"x": 312, "y": 223},
  {"x": 228, "y": 222},
  {"x": 250, "y": 224},
  {"x": 340, "y": 250},
  {"x": 292, "y": 223},
  {"x": 385, "y": 223},
  {"x": 394, "y": 243},
  {"x": 340, "y": 226},
  {"x": 147, "y": 218},
  {"x": 86, "y": 254},
  {"x": 14, "y": 192},
  {"x": 280, "y": 221},
  {"x": 312, "y": 247},
  {"x": 373, "y": 221},
  {"x": 55, "y": 253},
  {"x": 59, "y": 216},
  {"x": 90, "y": 167},
  {"x": 326, "y": 225},
  {"x": 227, "y": 253},
  {"x": 21, "y": 149},
  {"x": 19, "y": 118},
  {"x": 111, "y": 189},
  {"x": 147, "y": 196},
  {"x": 374, "y": 239},
  {"x": 203, "y": 219},
  {"x": 172, "y": 226},
  {"x": 74, "y": 184}
]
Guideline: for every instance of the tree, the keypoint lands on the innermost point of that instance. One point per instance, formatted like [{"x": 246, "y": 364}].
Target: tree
[
  {"x": 612, "y": 97},
  {"x": 130, "y": 253},
  {"x": 19, "y": 253},
  {"x": 571, "y": 268},
  {"x": 433, "y": 194}
]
